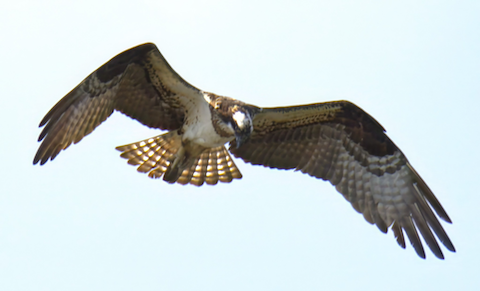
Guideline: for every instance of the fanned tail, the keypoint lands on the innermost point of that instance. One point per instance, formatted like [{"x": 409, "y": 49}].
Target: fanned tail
[
  {"x": 164, "y": 155},
  {"x": 154, "y": 155},
  {"x": 213, "y": 165}
]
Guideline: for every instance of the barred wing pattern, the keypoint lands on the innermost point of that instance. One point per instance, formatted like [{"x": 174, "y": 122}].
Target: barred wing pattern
[
  {"x": 138, "y": 82},
  {"x": 339, "y": 142}
]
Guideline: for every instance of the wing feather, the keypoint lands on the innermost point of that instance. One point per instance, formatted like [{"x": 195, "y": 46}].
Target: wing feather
[
  {"x": 398, "y": 233},
  {"x": 138, "y": 82},
  {"x": 341, "y": 143}
]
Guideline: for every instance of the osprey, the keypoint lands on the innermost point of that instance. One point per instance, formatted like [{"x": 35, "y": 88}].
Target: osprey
[{"x": 334, "y": 141}]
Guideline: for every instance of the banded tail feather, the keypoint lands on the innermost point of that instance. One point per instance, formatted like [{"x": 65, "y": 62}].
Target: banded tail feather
[
  {"x": 214, "y": 165},
  {"x": 157, "y": 156}
]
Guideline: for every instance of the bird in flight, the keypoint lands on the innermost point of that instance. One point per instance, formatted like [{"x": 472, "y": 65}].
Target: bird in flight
[{"x": 334, "y": 141}]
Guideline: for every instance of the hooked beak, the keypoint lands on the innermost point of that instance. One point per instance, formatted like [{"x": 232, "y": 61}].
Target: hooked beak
[{"x": 241, "y": 138}]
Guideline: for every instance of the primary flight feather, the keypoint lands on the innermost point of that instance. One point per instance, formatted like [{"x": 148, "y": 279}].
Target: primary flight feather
[{"x": 335, "y": 141}]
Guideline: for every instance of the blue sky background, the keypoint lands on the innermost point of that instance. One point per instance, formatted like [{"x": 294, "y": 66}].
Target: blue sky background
[{"x": 89, "y": 221}]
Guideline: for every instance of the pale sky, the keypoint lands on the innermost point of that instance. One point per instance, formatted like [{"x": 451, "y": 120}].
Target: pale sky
[{"x": 89, "y": 221}]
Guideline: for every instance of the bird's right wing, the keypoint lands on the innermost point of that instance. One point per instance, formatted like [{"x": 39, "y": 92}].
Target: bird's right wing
[{"x": 138, "y": 82}]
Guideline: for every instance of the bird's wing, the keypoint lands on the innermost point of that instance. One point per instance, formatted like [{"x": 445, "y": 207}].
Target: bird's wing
[
  {"x": 138, "y": 82},
  {"x": 339, "y": 142}
]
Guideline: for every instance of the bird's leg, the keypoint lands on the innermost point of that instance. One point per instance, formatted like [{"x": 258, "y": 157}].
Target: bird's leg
[{"x": 186, "y": 155}]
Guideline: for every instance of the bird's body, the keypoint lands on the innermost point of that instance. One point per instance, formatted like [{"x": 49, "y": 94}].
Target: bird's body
[
  {"x": 200, "y": 129},
  {"x": 335, "y": 141}
]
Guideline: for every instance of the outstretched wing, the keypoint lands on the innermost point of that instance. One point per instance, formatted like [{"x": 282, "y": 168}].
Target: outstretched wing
[
  {"x": 339, "y": 142},
  {"x": 138, "y": 82}
]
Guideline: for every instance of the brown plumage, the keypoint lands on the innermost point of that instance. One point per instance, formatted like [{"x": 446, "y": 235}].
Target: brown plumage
[
  {"x": 154, "y": 155},
  {"x": 334, "y": 141},
  {"x": 340, "y": 143}
]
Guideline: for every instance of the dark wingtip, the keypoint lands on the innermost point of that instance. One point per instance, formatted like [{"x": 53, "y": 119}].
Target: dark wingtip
[
  {"x": 439, "y": 255},
  {"x": 43, "y": 133},
  {"x": 44, "y": 121},
  {"x": 452, "y": 249},
  {"x": 446, "y": 218},
  {"x": 398, "y": 234},
  {"x": 420, "y": 253},
  {"x": 449, "y": 245},
  {"x": 42, "y": 161},
  {"x": 36, "y": 159}
]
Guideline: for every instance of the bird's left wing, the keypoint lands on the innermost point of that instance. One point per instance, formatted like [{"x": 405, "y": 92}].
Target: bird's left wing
[
  {"x": 339, "y": 142},
  {"x": 138, "y": 82}
]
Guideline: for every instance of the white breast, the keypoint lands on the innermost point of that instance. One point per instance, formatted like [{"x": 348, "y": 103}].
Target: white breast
[{"x": 198, "y": 127}]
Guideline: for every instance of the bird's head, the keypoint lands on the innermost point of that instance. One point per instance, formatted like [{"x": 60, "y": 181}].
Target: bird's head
[{"x": 242, "y": 125}]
